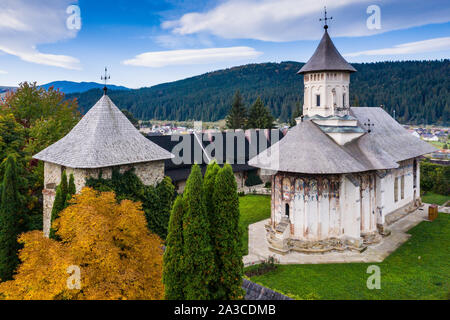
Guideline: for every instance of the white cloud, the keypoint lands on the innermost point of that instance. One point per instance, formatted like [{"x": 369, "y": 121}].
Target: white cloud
[
  {"x": 191, "y": 56},
  {"x": 430, "y": 45},
  {"x": 26, "y": 24},
  {"x": 289, "y": 20},
  {"x": 3, "y": 72}
]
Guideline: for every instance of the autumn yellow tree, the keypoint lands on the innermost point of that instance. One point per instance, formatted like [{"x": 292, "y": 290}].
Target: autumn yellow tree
[{"x": 109, "y": 242}]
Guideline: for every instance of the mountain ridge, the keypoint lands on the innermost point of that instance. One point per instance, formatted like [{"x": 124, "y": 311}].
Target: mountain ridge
[{"x": 416, "y": 90}]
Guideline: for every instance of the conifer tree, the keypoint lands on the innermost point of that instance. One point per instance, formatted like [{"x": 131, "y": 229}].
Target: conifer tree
[
  {"x": 165, "y": 191},
  {"x": 208, "y": 193},
  {"x": 227, "y": 245},
  {"x": 9, "y": 220},
  {"x": 198, "y": 252},
  {"x": 297, "y": 113},
  {"x": 60, "y": 203},
  {"x": 259, "y": 117},
  {"x": 72, "y": 188},
  {"x": 208, "y": 188},
  {"x": 173, "y": 276},
  {"x": 237, "y": 116}
]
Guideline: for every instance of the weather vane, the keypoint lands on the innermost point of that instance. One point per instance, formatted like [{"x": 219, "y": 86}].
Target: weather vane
[
  {"x": 105, "y": 78},
  {"x": 369, "y": 125},
  {"x": 325, "y": 19}
]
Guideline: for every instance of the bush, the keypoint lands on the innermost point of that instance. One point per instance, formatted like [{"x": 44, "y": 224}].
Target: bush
[
  {"x": 156, "y": 201},
  {"x": 435, "y": 178},
  {"x": 253, "y": 179},
  {"x": 268, "y": 185}
]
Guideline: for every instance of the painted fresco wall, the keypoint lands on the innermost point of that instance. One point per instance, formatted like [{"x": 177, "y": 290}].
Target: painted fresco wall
[
  {"x": 313, "y": 205},
  {"x": 326, "y": 206}
]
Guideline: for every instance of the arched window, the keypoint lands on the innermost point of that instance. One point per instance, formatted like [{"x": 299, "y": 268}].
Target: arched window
[
  {"x": 317, "y": 100},
  {"x": 287, "y": 210},
  {"x": 333, "y": 94},
  {"x": 343, "y": 100}
]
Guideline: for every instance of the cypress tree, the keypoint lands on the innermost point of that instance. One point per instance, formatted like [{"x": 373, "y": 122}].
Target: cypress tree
[
  {"x": 198, "y": 252},
  {"x": 60, "y": 203},
  {"x": 228, "y": 247},
  {"x": 208, "y": 193},
  {"x": 297, "y": 113},
  {"x": 64, "y": 186},
  {"x": 72, "y": 188},
  {"x": 208, "y": 188},
  {"x": 237, "y": 116},
  {"x": 165, "y": 191},
  {"x": 9, "y": 220},
  {"x": 173, "y": 277}
]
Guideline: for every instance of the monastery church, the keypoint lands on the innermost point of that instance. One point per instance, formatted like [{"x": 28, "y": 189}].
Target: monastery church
[
  {"x": 339, "y": 175},
  {"x": 342, "y": 172}
]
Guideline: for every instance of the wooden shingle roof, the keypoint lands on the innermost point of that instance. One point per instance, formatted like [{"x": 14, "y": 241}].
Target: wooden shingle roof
[
  {"x": 326, "y": 58},
  {"x": 104, "y": 137}
]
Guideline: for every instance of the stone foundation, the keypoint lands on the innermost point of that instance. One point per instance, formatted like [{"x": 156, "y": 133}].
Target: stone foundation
[{"x": 280, "y": 242}]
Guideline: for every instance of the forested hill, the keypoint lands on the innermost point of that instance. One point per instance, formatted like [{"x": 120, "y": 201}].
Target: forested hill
[{"x": 417, "y": 90}]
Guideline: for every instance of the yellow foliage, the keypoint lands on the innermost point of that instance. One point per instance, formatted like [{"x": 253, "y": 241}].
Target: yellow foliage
[{"x": 109, "y": 241}]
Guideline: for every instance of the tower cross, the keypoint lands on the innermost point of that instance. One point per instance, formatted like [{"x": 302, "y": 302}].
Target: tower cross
[
  {"x": 369, "y": 125},
  {"x": 105, "y": 79},
  {"x": 325, "y": 19}
]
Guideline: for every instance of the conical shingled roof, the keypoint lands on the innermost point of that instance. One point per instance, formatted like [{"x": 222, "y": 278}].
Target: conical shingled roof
[
  {"x": 326, "y": 58},
  {"x": 104, "y": 137}
]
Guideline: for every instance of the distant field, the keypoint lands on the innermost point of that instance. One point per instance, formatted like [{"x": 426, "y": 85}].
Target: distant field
[
  {"x": 253, "y": 208},
  {"x": 419, "y": 269}
]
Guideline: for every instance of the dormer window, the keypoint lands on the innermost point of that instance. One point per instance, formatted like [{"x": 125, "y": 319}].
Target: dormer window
[{"x": 317, "y": 100}]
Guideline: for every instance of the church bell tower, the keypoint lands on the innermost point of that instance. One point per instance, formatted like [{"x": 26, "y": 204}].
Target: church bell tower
[{"x": 326, "y": 80}]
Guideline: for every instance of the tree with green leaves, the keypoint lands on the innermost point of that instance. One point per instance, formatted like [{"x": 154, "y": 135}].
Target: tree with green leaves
[
  {"x": 259, "y": 117},
  {"x": 208, "y": 187},
  {"x": 9, "y": 220},
  {"x": 131, "y": 118},
  {"x": 198, "y": 252},
  {"x": 72, "y": 189},
  {"x": 237, "y": 117},
  {"x": 173, "y": 271},
  {"x": 61, "y": 201},
  {"x": 297, "y": 113},
  {"x": 227, "y": 236},
  {"x": 166, "y": 191}
]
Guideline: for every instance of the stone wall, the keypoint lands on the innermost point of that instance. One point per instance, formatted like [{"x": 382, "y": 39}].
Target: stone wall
[{"x": 150, "y": 173}]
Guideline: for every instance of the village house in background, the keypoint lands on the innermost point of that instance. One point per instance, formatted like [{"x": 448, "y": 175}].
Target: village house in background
[
  {"x": 342, "y": 173},
  {"x": 103, "y": 139}
]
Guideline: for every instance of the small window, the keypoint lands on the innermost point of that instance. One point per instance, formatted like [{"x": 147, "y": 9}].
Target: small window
[
  {"x": 396, "y": 189},
  {"x": 318, "y": 100},
  {"x": 343, "y": 100},
  {"x": 287, "y": 210},
  {"x": 402, "y": 187}
]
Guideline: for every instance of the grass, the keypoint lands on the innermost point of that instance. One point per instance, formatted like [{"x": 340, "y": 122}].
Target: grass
[
  {"x": 253, "y": 208},
  {"x": 419, "y": 269},
  {"x": 434, "y": 198}
]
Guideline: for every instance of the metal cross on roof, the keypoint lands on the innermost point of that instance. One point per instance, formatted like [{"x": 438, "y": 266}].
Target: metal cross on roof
[
  {"x": 105, "y": 78},
  {"x": 369, "y": 125},
  {"x": 325, "y": 18}
]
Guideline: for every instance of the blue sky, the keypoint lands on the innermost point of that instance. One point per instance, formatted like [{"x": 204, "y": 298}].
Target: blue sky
[{"x": 146, "y": 42}]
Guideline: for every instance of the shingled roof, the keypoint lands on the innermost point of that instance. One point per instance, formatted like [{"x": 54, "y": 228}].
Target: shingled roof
[
  {"x": 307, "y": 149},
  {"x": 326, "y": 58},
  {"x": 104, "y": 137}
]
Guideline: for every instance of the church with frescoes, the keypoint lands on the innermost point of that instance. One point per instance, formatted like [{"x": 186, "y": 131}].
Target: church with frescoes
[{"x": 342, "y": 174}]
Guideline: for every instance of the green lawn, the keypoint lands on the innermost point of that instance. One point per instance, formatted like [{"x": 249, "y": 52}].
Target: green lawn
[
  {"x": 420, "y": 269},
  {"x": 253, "y": 208},
  {"x": 434, "y": 198}
]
